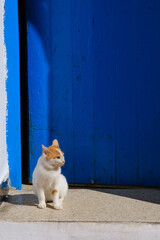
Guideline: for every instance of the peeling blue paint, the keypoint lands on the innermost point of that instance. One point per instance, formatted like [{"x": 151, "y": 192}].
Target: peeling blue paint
[{"x": 11, "y": 32}]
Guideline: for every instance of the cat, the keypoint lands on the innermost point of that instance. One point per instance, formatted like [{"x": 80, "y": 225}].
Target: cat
[{"x": 48, "y": 182}]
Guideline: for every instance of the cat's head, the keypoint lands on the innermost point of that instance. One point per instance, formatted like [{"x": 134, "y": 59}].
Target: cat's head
[{"x": 53, "y": 155}]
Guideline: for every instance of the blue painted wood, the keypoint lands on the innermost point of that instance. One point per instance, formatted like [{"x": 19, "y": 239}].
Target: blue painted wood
[
  {"x": 148, "y": 96},
  {"x": 126, "y": 92},
  {"x": 50, "y": 101},
  {"x": 39, "y": 75},
  {"x": 11, "y": 34},
  {"x": 61, "y": 116},
  {"x": 93, "y": 74},
  {"x": 104, "y": 90},
  {"x": 83, "y": 91}
]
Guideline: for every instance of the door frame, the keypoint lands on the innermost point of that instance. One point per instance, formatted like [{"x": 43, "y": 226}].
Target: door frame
[{"x": 13, "y": 124}]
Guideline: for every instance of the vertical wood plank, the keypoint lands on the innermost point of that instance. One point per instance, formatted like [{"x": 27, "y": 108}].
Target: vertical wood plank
[
  {"x": 126, "y": 74},
  {"x": 82, "y": 20},
  {"x": 61, "y": 116},
  {"x": 38, "y": 19},
  {"x": 148, "y": 27},
  {"x": 104, "y": 90}
]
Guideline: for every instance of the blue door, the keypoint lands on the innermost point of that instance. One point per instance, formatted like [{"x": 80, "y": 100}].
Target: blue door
[{"x": 94, "y": 84}]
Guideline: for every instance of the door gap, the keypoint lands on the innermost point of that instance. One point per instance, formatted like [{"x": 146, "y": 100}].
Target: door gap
[{"x": 24, "y": 92}]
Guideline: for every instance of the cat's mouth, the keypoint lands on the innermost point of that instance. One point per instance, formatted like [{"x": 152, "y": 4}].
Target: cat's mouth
[
  {"x": 62, "y": 163},
  {"x": 59, "y": 164}
]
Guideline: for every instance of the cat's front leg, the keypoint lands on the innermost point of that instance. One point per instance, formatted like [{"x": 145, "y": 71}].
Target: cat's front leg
[
  {"x": 56, "y": 203},
  {"x": 41, "y": 198}
]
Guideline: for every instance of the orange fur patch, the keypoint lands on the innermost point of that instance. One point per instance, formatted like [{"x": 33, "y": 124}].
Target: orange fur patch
[
  {"x": 53, "y": 152},
  {"x": 54, "y": 191}
]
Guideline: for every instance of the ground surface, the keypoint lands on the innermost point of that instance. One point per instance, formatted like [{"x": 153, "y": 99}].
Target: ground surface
[
  {"x": 78, "y": 231},
  {"x": 86, "y": 205}
]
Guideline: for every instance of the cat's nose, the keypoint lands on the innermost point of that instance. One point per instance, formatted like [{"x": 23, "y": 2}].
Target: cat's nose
[{"x": 62, "y": 163}]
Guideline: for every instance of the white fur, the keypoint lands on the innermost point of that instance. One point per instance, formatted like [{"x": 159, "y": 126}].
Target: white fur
[{"x": 47, "y": 177}]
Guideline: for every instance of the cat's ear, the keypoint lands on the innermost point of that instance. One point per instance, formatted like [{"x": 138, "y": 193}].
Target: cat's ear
[
  {"x": 46, "y": 151},
  {"x": 55, "y": 143}
]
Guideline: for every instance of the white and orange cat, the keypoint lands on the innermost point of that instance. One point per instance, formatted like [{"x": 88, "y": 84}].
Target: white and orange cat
[{"x": 48, "y": 182}]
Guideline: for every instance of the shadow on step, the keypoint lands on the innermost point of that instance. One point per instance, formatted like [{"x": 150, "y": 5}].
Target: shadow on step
[
  {"x": 21, "y": 199},
  {"x": 146, "y": 195}
]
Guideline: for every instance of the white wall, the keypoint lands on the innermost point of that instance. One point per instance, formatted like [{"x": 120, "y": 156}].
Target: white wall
[{"x": 4, "y": 170}]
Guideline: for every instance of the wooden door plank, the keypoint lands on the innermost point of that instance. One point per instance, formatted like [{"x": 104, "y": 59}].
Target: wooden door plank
[
  {"x": 104, "y": 90},
  {"x": 82, "y": 20},
  {"x": 148, "y": 27},
  {"x": 126, "y": 80},
  {"x": 61, "y": 112}
]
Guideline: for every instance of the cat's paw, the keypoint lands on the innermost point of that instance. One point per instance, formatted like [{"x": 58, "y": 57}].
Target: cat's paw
[
  {"x": 57, "y": 206},
  {"x": 42, "y": 205}
]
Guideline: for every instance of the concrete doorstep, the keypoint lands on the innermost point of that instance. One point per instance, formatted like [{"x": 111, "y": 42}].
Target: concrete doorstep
[
  {"x": 78, "y": 231},
  {"x": 87, "y": 214}
]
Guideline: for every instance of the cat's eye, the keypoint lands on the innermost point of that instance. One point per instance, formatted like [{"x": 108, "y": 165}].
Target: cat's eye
[{"x": 58, "y": 157}]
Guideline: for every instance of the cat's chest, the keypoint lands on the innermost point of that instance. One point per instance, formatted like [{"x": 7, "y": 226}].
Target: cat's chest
[{"x": 48, "y": 177}]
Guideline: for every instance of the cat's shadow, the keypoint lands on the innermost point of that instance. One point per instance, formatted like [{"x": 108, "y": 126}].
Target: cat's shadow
[{"x": 24, "y": 199}]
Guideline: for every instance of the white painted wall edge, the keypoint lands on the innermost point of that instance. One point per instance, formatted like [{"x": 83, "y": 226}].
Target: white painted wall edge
[
  {"x": 4, "y": 168},
  {"x": 78, "y": 231}
]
